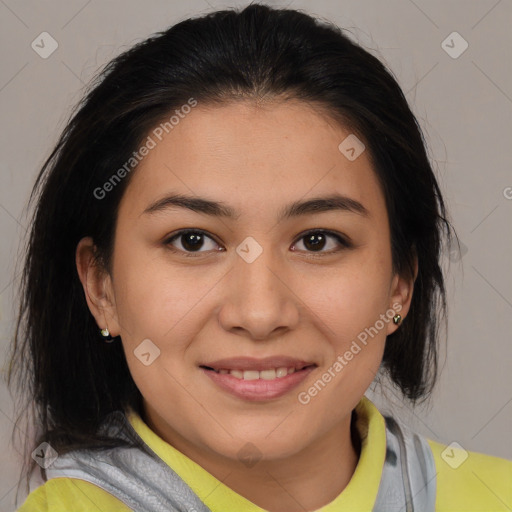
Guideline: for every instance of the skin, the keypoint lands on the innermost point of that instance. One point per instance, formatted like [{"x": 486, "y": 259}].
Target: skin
[{"x": 292, "y": 300}]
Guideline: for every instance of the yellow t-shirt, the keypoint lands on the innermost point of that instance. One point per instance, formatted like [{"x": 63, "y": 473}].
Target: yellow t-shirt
[{"x": 466, "y": 481}]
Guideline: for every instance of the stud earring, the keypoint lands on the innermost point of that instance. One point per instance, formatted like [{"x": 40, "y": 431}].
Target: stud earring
[
  {"x": 106, "y": 335},
  {"x": 397, "y": 319}
]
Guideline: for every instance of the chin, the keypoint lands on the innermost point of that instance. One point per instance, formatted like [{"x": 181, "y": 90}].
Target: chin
[{"x": 251, "y": 448}]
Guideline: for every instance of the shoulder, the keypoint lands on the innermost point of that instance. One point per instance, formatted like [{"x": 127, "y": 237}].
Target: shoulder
[
  {"x": 471, "y": 481},
  {"x": 64, "y": 494}
]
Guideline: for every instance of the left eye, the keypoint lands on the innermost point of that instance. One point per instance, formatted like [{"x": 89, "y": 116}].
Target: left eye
[
  {"x": 193, "y": 240},
  {"x": 316, "y": 240}
]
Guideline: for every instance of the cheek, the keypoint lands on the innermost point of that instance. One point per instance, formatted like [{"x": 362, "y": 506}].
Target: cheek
[
  {"x": 145, "y": 289},
  {"x": 348, "y": 304},
  {"x": 348, "y": 313},
  {"x": 159, "y": 312},
  {"x": 351, "y": 297}
]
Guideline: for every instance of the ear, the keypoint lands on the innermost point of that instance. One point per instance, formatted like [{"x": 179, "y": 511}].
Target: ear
[
  {"x": 97, "y": 285},
  {"x": 401, "y": 295}
]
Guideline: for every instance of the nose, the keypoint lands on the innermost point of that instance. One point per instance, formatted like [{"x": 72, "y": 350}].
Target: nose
[{"x": 259, "y": 301}]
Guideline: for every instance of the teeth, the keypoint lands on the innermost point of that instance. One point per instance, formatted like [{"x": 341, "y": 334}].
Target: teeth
[
  {"x": 270, "y": 374},
  {"x": 282, "y": 372}
]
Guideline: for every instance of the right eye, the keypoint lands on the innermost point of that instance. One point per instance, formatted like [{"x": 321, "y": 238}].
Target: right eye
[{"x": 191, "y": 240}]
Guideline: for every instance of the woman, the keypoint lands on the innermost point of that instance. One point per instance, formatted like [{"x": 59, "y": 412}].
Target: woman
[{"x": 242, "y": 208}]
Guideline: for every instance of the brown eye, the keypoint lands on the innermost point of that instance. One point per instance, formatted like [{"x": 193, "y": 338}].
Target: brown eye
[
  {"x": 191, "y": 241},
  {"x": 317, "y": 241}
]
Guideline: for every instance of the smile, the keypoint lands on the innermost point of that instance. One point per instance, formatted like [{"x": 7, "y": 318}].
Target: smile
[
  {"x": 269, "y": 374},
  {"x": 258, "y": 385}
]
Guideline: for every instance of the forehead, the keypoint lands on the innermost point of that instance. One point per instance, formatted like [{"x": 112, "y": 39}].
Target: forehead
[{"x": 254, "y": 158}]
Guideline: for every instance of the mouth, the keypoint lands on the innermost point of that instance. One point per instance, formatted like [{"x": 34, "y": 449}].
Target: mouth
[
  {"x": 257, "y": 379},
  {"x": 264, "y": 374}
]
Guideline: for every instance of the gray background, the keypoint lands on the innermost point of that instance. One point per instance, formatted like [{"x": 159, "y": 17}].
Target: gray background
[{"x": 464, "y": 105}]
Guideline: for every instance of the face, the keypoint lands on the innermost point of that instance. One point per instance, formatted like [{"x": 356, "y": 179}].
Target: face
[{"x": 305, "y": 286}]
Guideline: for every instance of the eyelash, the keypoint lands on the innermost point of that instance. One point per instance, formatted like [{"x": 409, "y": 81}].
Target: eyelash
[{"x": 341, "y": 240}]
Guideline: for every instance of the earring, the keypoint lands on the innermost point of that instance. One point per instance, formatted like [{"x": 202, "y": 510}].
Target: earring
[
  {"x": 397, "y": 319},
  {"x": 106, "y": 335}
]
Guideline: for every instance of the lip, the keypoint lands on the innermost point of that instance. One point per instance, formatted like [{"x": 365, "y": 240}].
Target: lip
[
  {"x": 252, "y": 363},
  {"x": 258, "y": 389}
]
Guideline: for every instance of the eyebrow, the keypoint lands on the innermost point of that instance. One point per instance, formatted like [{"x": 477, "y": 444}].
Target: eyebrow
[{"x": 332, "y": 202}]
